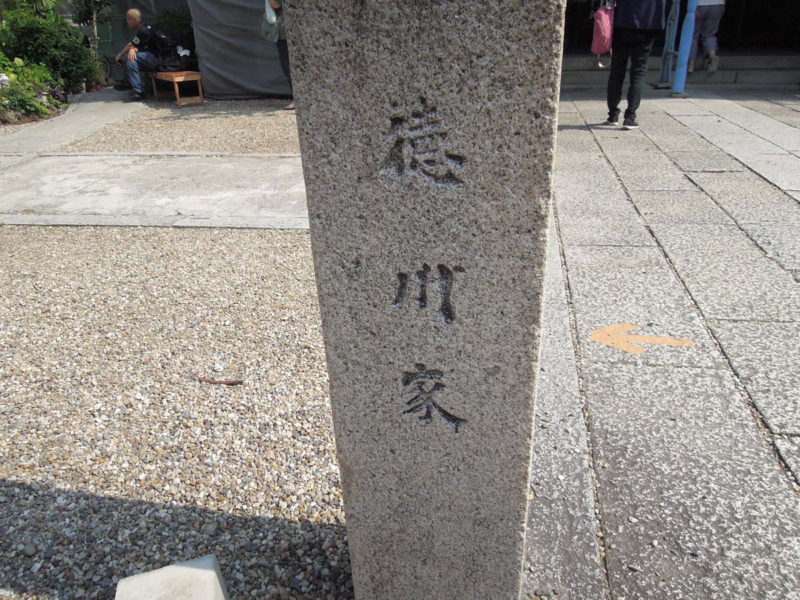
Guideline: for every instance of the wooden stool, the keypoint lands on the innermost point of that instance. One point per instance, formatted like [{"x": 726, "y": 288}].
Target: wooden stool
[{"x": 177, "y": 77}]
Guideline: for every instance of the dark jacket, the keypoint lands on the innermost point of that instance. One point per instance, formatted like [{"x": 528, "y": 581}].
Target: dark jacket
[
  {"x": 641, "y": 14},
  {"x": 145, "y": 39}
]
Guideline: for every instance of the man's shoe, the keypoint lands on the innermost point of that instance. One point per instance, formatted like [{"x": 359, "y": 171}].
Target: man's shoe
[
  {"x": 629, "y": 123},
  {"x": 613, "y": 119},
  {"x": 136, "y": 97},
  {"x": 713, "y": 64},
  {"x": 122, "y": 86}
]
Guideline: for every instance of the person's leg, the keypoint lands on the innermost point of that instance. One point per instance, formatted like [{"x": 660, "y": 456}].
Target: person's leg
[
  {"x": 640, "y": 52},
  {"x": 283, "y": 54},
  {"x": 620, "y": 52},
  {"x": 698, "y": 18},
  {"x": 695, "y": 36},
  {"x": 710, "y": 27},
  {"x": 145, "y": 61}
]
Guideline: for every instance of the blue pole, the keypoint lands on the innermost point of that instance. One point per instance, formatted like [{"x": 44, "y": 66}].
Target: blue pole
[{"x": 686, "y": 45}]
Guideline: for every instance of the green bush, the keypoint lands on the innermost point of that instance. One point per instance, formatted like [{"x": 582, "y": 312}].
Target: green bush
[
  {"x": 49, "y": 41},
  {"x": 27, "y": 91}
]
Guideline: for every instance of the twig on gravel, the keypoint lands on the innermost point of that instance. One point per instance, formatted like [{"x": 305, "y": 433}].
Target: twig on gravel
[{"x": 219, "y": 381}]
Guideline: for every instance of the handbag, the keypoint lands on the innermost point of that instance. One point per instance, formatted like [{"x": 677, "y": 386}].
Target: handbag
[
  {"x": 270, "y": 23},
  {"x": 603, "y": 30}
]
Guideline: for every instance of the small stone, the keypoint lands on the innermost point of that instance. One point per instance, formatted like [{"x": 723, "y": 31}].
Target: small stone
[
  {"x": 209, "y": 529},
  {"x": 29, "y": 550}
]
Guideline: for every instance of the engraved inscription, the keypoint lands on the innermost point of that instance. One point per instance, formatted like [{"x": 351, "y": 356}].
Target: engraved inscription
[
  {"x": 416, "y": 143},
  {"x": 426, "y": 386},
  {"x": 445, "y": 280}
]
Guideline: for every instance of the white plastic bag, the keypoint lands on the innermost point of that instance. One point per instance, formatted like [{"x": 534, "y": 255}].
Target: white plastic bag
[{"x": 269, "y": 13}]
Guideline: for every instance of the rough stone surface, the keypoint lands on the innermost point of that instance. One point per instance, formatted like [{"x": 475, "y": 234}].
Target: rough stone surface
[
  {"x": 428, "y": 175},
  {"x": 563, "y": 556},
  {"x": 685, "y": 479},
  {"x": 198, "y": 579}
]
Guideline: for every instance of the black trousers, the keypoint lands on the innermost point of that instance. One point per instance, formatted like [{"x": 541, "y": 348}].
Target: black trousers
[
  {"x": 283, "y": 54},
  {"x": 634, "y": 45}
]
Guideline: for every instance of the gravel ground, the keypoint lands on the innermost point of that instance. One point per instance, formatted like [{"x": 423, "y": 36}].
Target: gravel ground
[
  {"x": 236, "y": 126},
  {"x": 114, "y": 459}
]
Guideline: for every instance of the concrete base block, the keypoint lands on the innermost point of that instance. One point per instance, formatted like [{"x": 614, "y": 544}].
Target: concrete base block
[{"x": 198, "y": 579}]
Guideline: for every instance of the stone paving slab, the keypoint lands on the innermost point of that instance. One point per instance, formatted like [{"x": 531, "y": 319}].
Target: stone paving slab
[
  {"x": 775, "y": 110},
  {"x": 747, "y": 197},
  {"x": 738, "y": 143},
  {"x": 765, "y": 358},
  {"x": 7, "y": 160},
  {"x": 563, "y": 556},
  {"x": 694, "y": 505},
  {"x": 708, "y": 159},
  {"x": 153, "y": 190},
  {"x": 684, "y": 206},
  {"x": 712, "y": 126},
  {"x": 781, "y": 169},
  {"x": 728, "y": 275},
  {"x": 612, "y": 286},
  {"x": 784, "y": 135},
  {"x": 198, "y": 579},
  {"x": 789, "y": 448},
  {"x": 648, "y": 169},
  {"x": 602, "y": 231},
  {"x": 780, "y": 240}
]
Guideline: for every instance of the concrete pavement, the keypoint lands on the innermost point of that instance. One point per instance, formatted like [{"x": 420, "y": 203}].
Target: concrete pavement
[
  {"x": 667, "y": 464},
  {"x": 42, "y": 186}
]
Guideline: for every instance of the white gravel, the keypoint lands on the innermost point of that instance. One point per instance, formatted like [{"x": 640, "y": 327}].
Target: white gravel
[{"x": 115, "y": 460}]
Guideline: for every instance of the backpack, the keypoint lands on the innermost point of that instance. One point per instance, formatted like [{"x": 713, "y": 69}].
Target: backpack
[
  {"x": 603, "y": 30},
  {"x": 171, "y": 55}
]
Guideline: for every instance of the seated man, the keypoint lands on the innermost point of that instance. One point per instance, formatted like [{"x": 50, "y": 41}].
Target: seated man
[{"x": 141, "y": 54}]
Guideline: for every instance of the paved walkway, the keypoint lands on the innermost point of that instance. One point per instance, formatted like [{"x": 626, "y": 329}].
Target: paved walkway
[{"x": 668, "y": 417}]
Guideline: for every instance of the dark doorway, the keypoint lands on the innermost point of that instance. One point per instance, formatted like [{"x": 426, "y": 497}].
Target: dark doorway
[{"x": 748, "y": 25}]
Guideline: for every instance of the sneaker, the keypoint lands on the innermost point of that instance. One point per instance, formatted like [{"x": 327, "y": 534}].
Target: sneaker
[
  {"x": 629, "y": 123},
  {"x": 121, "y": 86},
  {"x": 289, "y": 106},
  {"x": 613, "y": 118},
  {"x": 713, "y": 64},
  {"x": 136, "y": 97}
]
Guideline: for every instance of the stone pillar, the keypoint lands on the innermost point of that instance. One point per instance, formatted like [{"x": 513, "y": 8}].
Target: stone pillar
[{"x": 427, "y": 129}]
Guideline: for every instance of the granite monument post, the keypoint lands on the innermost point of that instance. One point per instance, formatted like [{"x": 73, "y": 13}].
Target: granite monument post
[{"x": 427, "y": 130}]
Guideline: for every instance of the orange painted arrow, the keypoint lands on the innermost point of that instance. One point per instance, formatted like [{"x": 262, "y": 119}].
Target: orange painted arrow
[{"x": 615, "y": 336}]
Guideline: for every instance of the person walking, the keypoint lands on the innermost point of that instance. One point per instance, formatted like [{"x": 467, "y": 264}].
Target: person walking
[
  {"x": 637, "y": 23},
  {"x": 706, "y": 24}
]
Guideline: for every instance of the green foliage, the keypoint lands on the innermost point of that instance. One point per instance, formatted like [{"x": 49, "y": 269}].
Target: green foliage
[
  {"x": 84, "y": 11},
  {"x": 18, "y": 100},
  {"x": 40, "y": 7},
  {"x": 28, "y": 90},
  {"x": 51, "y": 42}
]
